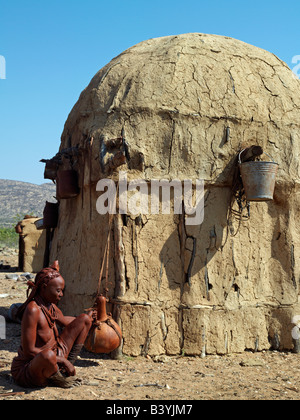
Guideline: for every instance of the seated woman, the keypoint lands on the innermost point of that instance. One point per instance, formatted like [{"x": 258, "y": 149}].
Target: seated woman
[{"x": 45, "y": 357}]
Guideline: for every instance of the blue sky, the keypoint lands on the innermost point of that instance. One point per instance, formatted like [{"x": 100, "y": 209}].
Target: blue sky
[{"x": 53, "y": 48}]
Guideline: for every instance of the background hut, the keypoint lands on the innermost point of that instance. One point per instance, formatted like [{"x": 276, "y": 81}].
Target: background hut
[
  {"x": 186, "y": 105},
  {"x": 31, "y": 245}
]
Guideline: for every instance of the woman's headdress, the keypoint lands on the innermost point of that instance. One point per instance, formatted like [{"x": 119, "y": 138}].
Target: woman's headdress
[{"x": 42, "y": 277}]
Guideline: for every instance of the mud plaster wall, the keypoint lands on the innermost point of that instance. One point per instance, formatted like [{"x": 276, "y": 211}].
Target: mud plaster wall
[{"x": 187, "y": 105}]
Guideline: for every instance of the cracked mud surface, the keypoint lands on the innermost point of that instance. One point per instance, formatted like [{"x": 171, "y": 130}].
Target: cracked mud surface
[{"x": 249, "y": 376}]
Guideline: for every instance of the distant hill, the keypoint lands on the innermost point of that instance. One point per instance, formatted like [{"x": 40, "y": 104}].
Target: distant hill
[{"x": 19, "y": 198}]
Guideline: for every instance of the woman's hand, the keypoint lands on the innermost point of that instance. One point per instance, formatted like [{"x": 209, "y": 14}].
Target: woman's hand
[
  {"x": 93, "y": 314},
  {"x": 67, "y": 366}
]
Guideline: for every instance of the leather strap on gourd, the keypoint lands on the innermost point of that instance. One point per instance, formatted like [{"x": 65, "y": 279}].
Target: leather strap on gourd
[{"x": 108, "y": 321}]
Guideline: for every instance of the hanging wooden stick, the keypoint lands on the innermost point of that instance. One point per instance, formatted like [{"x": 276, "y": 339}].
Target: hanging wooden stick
[
  {"x": 105, "y": 256},
  {"x": 90, "y": 180},
  {"x": 107, "y": 260},
  {"x": 106, "y": 250}
]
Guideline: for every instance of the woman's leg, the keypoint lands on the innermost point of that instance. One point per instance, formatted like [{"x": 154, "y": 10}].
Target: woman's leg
[
  {"x": 42, "y": 367},
  {"x": 75, "y": 333}
]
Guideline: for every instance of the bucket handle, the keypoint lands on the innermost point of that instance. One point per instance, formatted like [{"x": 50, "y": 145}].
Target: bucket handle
[{"x": 263, "y": 152}]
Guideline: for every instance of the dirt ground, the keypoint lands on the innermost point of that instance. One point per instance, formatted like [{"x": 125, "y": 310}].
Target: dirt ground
[{"x": 269, "y": 375}]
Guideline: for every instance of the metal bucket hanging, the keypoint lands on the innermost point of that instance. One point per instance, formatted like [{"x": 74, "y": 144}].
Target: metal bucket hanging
[
  {"x": 258, "y": 179},
  {"x": 51, "y": 168},
  {"x": 67, "y": 184}
]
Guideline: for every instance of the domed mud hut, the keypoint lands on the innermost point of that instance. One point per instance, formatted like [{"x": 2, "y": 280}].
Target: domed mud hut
[{"x": 177, "y": 108}]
